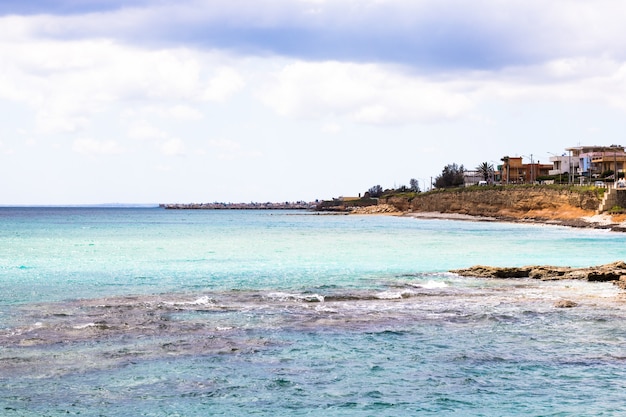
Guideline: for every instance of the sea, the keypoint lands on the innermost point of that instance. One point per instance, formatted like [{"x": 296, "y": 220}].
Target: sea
[{"x": 154, "y": 312}]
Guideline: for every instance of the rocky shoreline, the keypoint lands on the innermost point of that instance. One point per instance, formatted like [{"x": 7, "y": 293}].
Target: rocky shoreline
[
  {"x": 598, "y": 221},
  {"x": 563, "y": 206},
  {"x": 614, "y": 272}
]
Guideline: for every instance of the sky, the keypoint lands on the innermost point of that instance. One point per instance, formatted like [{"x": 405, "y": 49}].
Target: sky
[{"x": 163, "y": 101}]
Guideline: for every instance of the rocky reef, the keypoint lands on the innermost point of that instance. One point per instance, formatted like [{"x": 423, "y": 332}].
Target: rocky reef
[{"x": 614, "y": 272}]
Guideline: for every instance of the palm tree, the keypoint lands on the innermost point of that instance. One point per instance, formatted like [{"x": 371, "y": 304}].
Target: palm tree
[{"x": 486, "y": 170}]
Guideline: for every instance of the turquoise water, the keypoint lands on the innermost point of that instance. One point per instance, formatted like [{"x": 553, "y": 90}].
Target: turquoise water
[{"x": 150, "y": 312}]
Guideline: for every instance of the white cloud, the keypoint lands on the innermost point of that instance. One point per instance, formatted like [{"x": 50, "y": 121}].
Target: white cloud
[
  {"x": 96, "y": 147},
  {"x": 364, "y": 93},
  {"x": 183, "y": 112},
  {"x": 173, "y": 147},
  {"x": 176, "y": 112},
  {"x": 66, "y": 83},
  {"x": 143, "y": 130},
  {"x": 567, "y": 81},
  {"x": 225, "y": 83}
]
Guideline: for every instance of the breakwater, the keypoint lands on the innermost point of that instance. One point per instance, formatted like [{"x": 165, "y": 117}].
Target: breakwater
[{"x": 299, "y": 205}]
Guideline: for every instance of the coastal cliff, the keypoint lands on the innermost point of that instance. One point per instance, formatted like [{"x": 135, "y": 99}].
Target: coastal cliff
[{"x": 514, "y": 203}]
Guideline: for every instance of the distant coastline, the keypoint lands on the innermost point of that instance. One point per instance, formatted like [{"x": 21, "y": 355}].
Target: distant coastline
[{"x": 564, "y": 206}]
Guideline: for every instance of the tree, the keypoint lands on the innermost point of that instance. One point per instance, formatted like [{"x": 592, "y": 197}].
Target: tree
[
  {"x": 375, "y": 191},
  {"x": 415, "y": 185},
  {"x": 486, "y": 170},
  {"x": 452, "y": 175}
]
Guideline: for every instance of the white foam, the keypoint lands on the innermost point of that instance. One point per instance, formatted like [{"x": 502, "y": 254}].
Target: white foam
[
  {"x": 202, "y": 301},
  {"x": 430, "y": 284},
  {"x": 83, "y": 326},
  {"x": 284, "y": 296},
  {"x": 394, "y": 295},
  {"x": 434, "y": 284}
]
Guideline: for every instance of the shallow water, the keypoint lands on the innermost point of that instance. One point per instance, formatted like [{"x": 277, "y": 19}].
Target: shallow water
[{"x": 121, "y": 312}]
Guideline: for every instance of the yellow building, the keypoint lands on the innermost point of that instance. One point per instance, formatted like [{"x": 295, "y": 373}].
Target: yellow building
[{"x": 514, "y": 171}]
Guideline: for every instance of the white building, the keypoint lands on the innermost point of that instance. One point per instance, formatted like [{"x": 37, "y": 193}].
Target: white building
[
  {"x": 563, "y": 164},
  {"x": 472, "y": 178}
]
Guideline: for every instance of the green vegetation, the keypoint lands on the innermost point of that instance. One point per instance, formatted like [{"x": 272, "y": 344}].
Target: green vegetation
[
  {"x": 451, "y": 176},
  {"x": 452, "y": 179},
  {"x": 409, "y": 195},
  {"x": 584, "y": 189},
  {"x": 486, "y": 170},
  {"x": 375, "y": 192}
]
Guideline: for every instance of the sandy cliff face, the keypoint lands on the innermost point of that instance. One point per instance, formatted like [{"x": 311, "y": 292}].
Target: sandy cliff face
[{"x": 519, "y": 203}]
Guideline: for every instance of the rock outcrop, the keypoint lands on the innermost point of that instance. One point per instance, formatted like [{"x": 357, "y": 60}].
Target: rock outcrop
[
  {"x": 614, "y": 272},
  {"x": 565, "y": 304},
  {"x": 378, "y": 209}
]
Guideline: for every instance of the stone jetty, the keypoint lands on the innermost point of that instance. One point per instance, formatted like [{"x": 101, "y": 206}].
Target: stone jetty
[{"x": 298, "y": 205}]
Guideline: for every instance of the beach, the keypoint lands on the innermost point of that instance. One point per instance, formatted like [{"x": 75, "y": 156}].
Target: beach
[
  {"x": 580, "y": 219},
  {"x": 594, "y": 221}
]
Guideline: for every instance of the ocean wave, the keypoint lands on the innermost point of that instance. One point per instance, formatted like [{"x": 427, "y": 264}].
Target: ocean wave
[
  {"x": 284, "y": 296},
  {"x": 430, "y": 284},
  {"x": 395, "y": 295},
  {"x": 202, "y": 301}
]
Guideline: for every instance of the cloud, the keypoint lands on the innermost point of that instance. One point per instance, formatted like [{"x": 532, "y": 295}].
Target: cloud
[
  {"x": 143, "y": 130},
  {"x": 96, "y": 147},
  {"x": 184, "y": 112},
  {"x": 173, "y": 147},
  {"x": 66, "y": 6},
  {"x": 224, "y": 84},
  {"x": 68, "y": 82},
  {"x": 70, "y": 79},
  {"x": 576, "y": 80},
  {"x": 367, "y": 94},
  {"x": 432, "y": 34}
]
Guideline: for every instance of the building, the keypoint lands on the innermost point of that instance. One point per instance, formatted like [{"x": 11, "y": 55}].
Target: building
[
  {"x": 536, "y": 170},
  {"x": 472, "y": 178},
  {"x": 511, "y": 171},
  {"x": 514, "y": 171},
  {"x": 564, "y": 165},
  {"x": 593, "y": 161}
]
